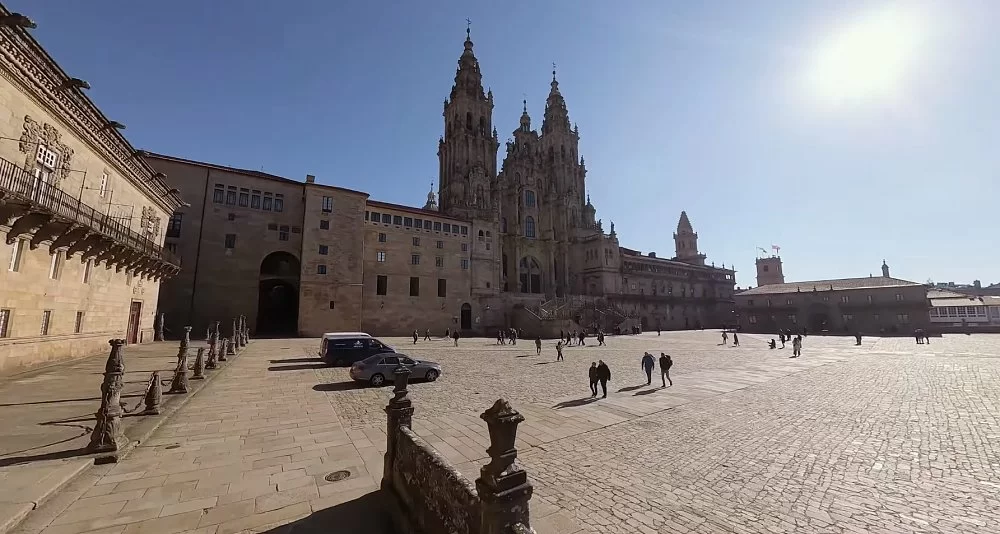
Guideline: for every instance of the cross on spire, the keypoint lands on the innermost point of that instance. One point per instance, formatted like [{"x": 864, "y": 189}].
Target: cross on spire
[
  {"x": 468, "y": 28},
  {"x": 553, "y": 71}
]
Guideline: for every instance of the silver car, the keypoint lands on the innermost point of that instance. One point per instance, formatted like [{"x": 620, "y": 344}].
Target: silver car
[{"x": 376, "y": 370}]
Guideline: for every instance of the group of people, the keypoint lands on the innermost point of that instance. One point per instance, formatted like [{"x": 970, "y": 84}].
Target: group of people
[
  {"x": 725, "y": 338},
  {"x": 796, "y": 343},
  {"x": 665, "y": 363},
  {"x": 579, "y": 337},
  {"x": 508, "y": 334}
]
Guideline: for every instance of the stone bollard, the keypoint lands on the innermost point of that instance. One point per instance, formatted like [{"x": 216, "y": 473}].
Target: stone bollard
[
  {"x": 223, "y": 349},
  {"x": 158, "y": 335},
  {"x": 179, "y": 384},
  {"x": 213, "y": 347},
  {"x": 198, "y": 372},
  {"x": 502, "y": 485},
  {"x": 240, "y": 342},
  {"x": 154, "y": 395},
  {"x": 231, "y": 349},
  {"x": 399, "y": 413},
  {"x": 108, "y": 435}
]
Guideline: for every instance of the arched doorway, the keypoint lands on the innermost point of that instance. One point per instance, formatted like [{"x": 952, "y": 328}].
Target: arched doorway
[
  {"x": 466, "y": 316},
  {"x": 531, "y": 275},
  {"x": 278, "y": 295}
]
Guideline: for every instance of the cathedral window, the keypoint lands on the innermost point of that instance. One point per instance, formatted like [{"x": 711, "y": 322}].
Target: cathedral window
[
  {"x": 529, "y": 198},
  {"x": 503, "y": 224},
  {"x": 468, "y": 121},
  {"x": 530, "y": 276},
  {"x": 489, "y": 235},
  {"x": 529, "y": 227},
  {"x": 482, "y": 125},
  {"x": 481, "y": 235}
]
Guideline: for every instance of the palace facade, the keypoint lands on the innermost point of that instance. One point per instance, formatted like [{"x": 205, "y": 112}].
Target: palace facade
[{"x": 518, "y": 245}]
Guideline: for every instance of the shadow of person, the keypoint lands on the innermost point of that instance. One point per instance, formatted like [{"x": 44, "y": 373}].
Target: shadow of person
[
  {"x": 574, "y": 402},
  {"x": 339, "y": 386},
  {"x": 368, "y": 514},
  {"x": 646, "y": 392},
  {"x": 631, "y": 388}
]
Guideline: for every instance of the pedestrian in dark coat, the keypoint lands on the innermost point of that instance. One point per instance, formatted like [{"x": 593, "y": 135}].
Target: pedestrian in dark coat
[
  {"x": 603, "y": 376},
  {"x": 592, "y": 372},
  {"x": 647, "y": 365},
  {"x": 665, "y": 364},
  {"x": 538, "y": 345}
]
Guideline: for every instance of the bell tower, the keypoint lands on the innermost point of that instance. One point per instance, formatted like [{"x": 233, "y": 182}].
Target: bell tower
[
  {"x": 467, "y": 152},
  {"x": 686, "y": 242},
  {"x": 769, "y": 271}
]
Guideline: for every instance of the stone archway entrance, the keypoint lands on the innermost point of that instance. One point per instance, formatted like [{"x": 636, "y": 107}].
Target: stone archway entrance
[
  {"x": 466, "y": 316},
  {"x": 278, "y": 295}
]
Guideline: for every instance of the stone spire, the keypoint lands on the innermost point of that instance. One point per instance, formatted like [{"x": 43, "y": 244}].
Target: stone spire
[
  {"x": 684, "y": 224},
  {"x": 525, "y": 118},
  {"x": 431, "y": 200},
  {"x": 468, "y": 78},
  {"x": 686, "y": 242},
  {"x": 556, "y": 114}
]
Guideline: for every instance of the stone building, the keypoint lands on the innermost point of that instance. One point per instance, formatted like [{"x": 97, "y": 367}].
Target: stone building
[
  {"x": 871, "y": 305},
  {"x": 515, "y": 246},
  {"x": 82, "y": 217}
]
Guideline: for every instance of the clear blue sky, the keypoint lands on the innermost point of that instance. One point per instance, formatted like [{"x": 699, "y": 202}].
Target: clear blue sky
[{"x": 845, "y": 132}]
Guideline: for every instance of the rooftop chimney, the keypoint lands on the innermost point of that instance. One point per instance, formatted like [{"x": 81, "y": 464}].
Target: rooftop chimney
[{"x": 310, "y": 179}]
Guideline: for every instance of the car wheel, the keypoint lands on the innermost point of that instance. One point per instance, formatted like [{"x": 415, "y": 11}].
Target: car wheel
[
  {"x": 377, "y": 380},
  {"x": 432, "y": 375}
]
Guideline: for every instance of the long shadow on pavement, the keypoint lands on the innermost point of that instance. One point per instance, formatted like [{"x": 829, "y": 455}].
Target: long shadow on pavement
[
  {"x": 339, "y": 386},
  {"x": 364, "y": 515},
  {"x": 297, "y": 367},
  {"x": 575, "y": 402},
  {"x": 297, "y": 360},
  {"x": 632, "y": 388}
]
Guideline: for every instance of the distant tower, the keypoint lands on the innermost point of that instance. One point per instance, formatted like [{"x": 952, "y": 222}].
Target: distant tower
[
  {"x": 769, "y": 271},
  {"x": 686, "y": 242},
  {"x": 431, "y": 200},
  {"x": 885, "y": 269}
]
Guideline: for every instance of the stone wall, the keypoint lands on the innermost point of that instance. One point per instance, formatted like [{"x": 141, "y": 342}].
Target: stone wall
[{"x": 437, "y": 497}]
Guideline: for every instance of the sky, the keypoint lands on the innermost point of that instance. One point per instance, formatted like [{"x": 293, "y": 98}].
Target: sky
[{"x": 844, "y": 132}]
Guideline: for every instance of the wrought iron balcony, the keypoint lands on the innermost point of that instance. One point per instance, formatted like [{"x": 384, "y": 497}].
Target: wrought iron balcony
[{"x": 30, "y": 206}]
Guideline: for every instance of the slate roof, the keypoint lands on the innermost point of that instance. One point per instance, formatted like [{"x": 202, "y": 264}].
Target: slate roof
[{"x": 840, "y": 284}]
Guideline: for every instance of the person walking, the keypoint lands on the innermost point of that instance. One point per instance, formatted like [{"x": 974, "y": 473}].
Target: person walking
[
  {"x": 603, "y": 376},
  {"x": 583, "y": 336},
  {"x": 559, "y": 346},
  {"x": 725, "y": 338},
  {"x": 427, "y": 334},
  {"x": 665, "y": 363},
  {"x": 796, "y": 346},
  {"x": 647, "y": 365},
  {"x": 538, "y": 345},
  {"x": 736, "y": 340},
  {"x": 593, "y": 378},
  {"x": 416, "y": 336},
  {"x": 454, "y": 335}
]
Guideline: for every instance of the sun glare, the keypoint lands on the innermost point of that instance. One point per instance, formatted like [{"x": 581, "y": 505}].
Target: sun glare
[{"x": 870, "y": 58}]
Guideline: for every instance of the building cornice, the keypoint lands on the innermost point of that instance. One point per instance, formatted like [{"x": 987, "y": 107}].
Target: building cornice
[{"x": 28, "y": 66}]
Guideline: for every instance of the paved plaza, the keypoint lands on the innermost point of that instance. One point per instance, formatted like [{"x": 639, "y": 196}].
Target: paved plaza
[{"x": 886, "y": 437}]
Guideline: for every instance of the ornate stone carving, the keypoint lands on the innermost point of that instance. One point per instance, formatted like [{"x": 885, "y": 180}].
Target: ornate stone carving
[
  {"x": 34, "y": 133},
  {"x": 154, "y": 395},
  {"x": 179, "y": 384},
  {"x": 149, "y": 222},
  {"x": 108, "y": 435}
]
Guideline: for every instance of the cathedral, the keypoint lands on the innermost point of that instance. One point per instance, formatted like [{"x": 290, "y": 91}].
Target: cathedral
[{"x": 519, "y": 246}]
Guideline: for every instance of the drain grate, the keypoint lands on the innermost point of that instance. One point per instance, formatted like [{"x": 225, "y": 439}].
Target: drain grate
[
  {"x": 174, "y": 446},
  {"x": 337, "y": 476}
]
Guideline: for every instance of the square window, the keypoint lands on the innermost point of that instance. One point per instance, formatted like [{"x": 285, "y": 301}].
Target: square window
[
  {"x": 255, "y": 200},
  {"x": 230, "y": 241},
  {"x": 442, "y": 287},
  {"x": 408, "y": 222},
  {"x": 78, "y": 325},
  {"x": 324, "y": 250},
  {"x": 231, "y": 195},
  {"x": 381, "y": 284},
  {"x": 414, "y": 286},
  {"x": 268, "y": 202},
  {"x": 331, "y": 304},
  {"x": 296, "y": 230},
  {"x": 327, "y": 204},
  {"x": 439, "y": 244},
  {"x": 447, "y": 228},
  {"x": 439, "y": 261},
  {"x": 272, "y": 226},
  {"x": 465, "y": 230},
  {"x": 845, "y": 298},
  {"x": 899, "y": 297},
  {"x": 381, "y": 237},
  {"x": 437, "y": 226},
  {"x": 465, "y": 247},
  {"x": 753, "y": 319},
  {"x": 55, "y": 267},
  {"x": 376, "y": 217},
  {"x": 427, "y": 224},
  {"x": 414, "y": 259},
  {"x": 244, "y": 198},
  {"x": 5, "y": 323},
  {"x": 416, "y": 241},
  {"x": 380, "y": 256},
  {"x": 46, "y": 157},
  {"x": 282, "y": 233},
  {"x": 324, "y": 224},
  {"x": 465, "y": 264},
  {"x": 174, "y": 225},
  {"x": 46, "y": 319},
  {"x": 397, "y": 220},
  {"x": 218, "y": 195},
  {"x": 386, "y": 218},
  {"x": 788, "y": 302},
  {"x": 279, "y": 202},
  {"x": 418, "y": 224},
  {"x": 321, "y": 269},
  {"x": 231, "y": 217}
]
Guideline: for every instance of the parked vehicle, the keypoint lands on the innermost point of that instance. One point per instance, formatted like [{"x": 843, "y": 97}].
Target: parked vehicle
[
  {"x": 345, "y": 349},
  {"x": 378, "y": 369}
]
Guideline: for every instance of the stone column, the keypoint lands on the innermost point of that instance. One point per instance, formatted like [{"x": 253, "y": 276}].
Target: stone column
[
  {"x": 108, "y": 435},
  {"x": 154, "y": 395},
  {"x": 399, "y": 413},
  {"x": 158, "y": 335},
  {"x": 199, "y": 365},
  {"x": 180, "y": 382},
  {"x": 213, "y": 346},
  {"x": 502, "y": 485}
]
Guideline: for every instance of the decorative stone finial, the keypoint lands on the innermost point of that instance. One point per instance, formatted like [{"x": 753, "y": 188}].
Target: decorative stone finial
[
  {"x": 108, "y": 435},
  {"x": 154, "y": 395}
]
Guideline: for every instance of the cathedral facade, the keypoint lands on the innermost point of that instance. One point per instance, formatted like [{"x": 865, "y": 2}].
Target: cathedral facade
[{"x": 514, "y": 246}]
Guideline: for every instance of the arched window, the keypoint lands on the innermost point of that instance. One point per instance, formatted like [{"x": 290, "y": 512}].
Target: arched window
[
  {"x": 517, "y": 177},
  {"x": 530, "y": 275},
  {"x": 482, "y": 125},
  {"x": 529, "y": 198},
  {"x": 489, "y": 234},
  {"x": 503, "y": 224},
  {"x": 529, "y": 226},
  {"x": 468, "y": 121},
  {"x": 480, "y": 235}
]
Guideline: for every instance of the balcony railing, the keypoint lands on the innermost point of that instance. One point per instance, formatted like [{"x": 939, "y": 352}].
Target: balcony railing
[{"x": 23, "y": 185}]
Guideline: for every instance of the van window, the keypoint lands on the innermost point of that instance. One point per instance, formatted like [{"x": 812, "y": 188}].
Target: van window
[
  {"x": 390, "y": 360},
  {"x": 375, "y": 344}
]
